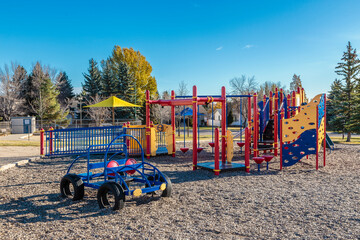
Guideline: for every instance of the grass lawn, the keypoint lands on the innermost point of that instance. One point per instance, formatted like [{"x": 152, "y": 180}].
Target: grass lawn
[
  {"x": 354, "y": 140},
  {"x": 4, "y": 143}
]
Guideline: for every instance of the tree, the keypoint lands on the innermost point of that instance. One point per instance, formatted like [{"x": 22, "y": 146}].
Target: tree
[
  {"x": 295, "y": 84},
  {"x": 41, "y": 96},
  {"x": 20, "y": 76},
  {"x": 9, "y": 93},
  {"x": 108, "y": 80},
  {"x": 92, "y": 84},
  {"x": 98, "y": 114},
  {"x": 65, "y": 89},
  {"x": 125, "y": 88},
  {"x": 139, "y": 67},
  {"x": 348, "y": 69},
  {"x": 182, "y": 90},
  {"x": 160, "y": 113},
  {"x": 241, "y": 86},
  {"x": 334, "y": 116}
]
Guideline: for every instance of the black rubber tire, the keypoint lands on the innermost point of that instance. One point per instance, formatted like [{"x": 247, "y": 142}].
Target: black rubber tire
[
  {"x": 77, "y": 184},
  {"x": 116, "y": 190},
  {"x": 167, "y": 192}
]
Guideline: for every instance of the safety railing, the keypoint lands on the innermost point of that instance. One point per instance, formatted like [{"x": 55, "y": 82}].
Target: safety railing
[{"x": 75, "y": 141}]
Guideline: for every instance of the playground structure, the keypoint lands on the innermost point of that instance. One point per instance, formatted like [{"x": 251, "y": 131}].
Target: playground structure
[
  {"x": 115, "y": 177},
  {"x": 277, "y": 125}
]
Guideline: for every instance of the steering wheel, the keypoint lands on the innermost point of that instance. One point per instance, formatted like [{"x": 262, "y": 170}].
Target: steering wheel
[{"x": 160, "y": 127}]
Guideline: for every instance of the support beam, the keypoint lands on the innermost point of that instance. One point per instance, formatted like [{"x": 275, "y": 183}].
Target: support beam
[{"x": 194, "y": 104}]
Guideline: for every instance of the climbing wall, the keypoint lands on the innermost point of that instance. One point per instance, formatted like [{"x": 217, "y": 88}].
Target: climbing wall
[{"x": 299, "y": 135}]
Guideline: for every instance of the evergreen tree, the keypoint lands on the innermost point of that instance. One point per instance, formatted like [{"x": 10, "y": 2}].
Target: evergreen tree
[
  {"x": 65, "y": 89},
  {"x": 349, "y": 69},
  {"x": 20, "y": 76},
  {"x": 295, "y": 84},
  {"x": 92, "y": 84},
  {"x": 335, "y": 100},
  {"x": 108, "y": 82},
  {"x": 31, "y": 87},
  {"x": 41, "y": 97},
  {"x": 125, "y": 88}
]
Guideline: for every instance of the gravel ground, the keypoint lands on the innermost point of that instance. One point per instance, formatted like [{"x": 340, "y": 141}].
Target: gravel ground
[{"x": 297, "y": 203}]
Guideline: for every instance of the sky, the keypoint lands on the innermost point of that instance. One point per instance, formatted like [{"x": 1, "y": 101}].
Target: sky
[{"x": 205, "y": 43}]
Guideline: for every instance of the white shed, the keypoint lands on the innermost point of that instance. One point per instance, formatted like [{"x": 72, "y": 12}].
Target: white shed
[{"x": 23, "y": 125}]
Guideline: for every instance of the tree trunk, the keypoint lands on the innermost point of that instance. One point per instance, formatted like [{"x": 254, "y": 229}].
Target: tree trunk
[{"x": 348, "y": 139}]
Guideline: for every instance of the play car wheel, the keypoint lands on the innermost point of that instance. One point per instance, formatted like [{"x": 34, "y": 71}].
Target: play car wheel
[
  {"x": 168, "y": 189},
  {"x": 111, "y": 195},
  {"x": 71, "y": 186}
]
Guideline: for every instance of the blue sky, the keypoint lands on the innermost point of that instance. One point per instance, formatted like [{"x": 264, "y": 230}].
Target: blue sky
[{"x": 200, "y": 42}]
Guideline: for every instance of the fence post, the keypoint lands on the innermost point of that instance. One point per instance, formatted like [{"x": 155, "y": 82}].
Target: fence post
[
  {"x": 51, "y": 140},
  {"x": 42, "y": 142}
]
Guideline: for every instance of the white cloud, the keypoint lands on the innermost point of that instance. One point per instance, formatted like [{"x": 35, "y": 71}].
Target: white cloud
[
  {"x": 219, "y": 48},
  {"x": 249, "y": 46}
]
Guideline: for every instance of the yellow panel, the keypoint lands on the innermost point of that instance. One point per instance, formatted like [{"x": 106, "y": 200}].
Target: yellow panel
[
  {"x": 321, "y": 133},
  {"x": 153, "y": 146},
  {"x": 305, "y": 120},
  {"x": 229, "y": 147},
  {"x": 169, "y": 140}
]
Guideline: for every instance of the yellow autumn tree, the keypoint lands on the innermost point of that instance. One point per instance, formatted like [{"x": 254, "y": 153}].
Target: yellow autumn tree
[{"x": 140, "y": 68}]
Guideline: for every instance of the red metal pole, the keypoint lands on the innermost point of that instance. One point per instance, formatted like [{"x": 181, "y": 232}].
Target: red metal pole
[
  {"x": 216, "y": 165},
  {"x": 148, "y": 131},
  {"x": 271, "y": 103},
  {"x": 293, "y": 103},
  {"x": 276, "y": 122},
  {"x": 173, "y": 123},
  {"x": 51, "y": 140},
  {"x": 42, "y": 142},
  {"x": 249, "y": 120},
  {"x": 223, "y": 125},
  {"x": 317, "y": 137},
  {"x": 281, "y": 95},
  {"x": 288, "y": 103},
  {"x": 194, "y": 104},
  {"x": 256, "y": 131},
  {"x": 247, "y": 150},
  {"x": 324, "y": 129},
  {"x": 281, "y": 143}
]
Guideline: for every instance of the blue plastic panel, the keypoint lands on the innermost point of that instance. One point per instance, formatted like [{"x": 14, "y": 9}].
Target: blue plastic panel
[{"x": 305, "y": 145}]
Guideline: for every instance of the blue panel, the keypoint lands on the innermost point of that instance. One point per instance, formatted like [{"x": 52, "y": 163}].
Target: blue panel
[
  {"x": 321, "y": 108},
  {"x": 305, "y": 145}
]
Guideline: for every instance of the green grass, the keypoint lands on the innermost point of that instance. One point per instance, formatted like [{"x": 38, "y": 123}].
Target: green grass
[
  {"x": 17, "y": 143},
  {"x": 354, "y": 140}
]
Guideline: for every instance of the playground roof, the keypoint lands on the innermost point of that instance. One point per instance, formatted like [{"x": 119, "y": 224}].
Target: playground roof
[
  {"x": 113, "y": 102},
  {"x": 188, "y": 112}
]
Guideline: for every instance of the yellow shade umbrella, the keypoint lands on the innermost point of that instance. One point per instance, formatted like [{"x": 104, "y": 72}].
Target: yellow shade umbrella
[{"x": 113, "y": 102}]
